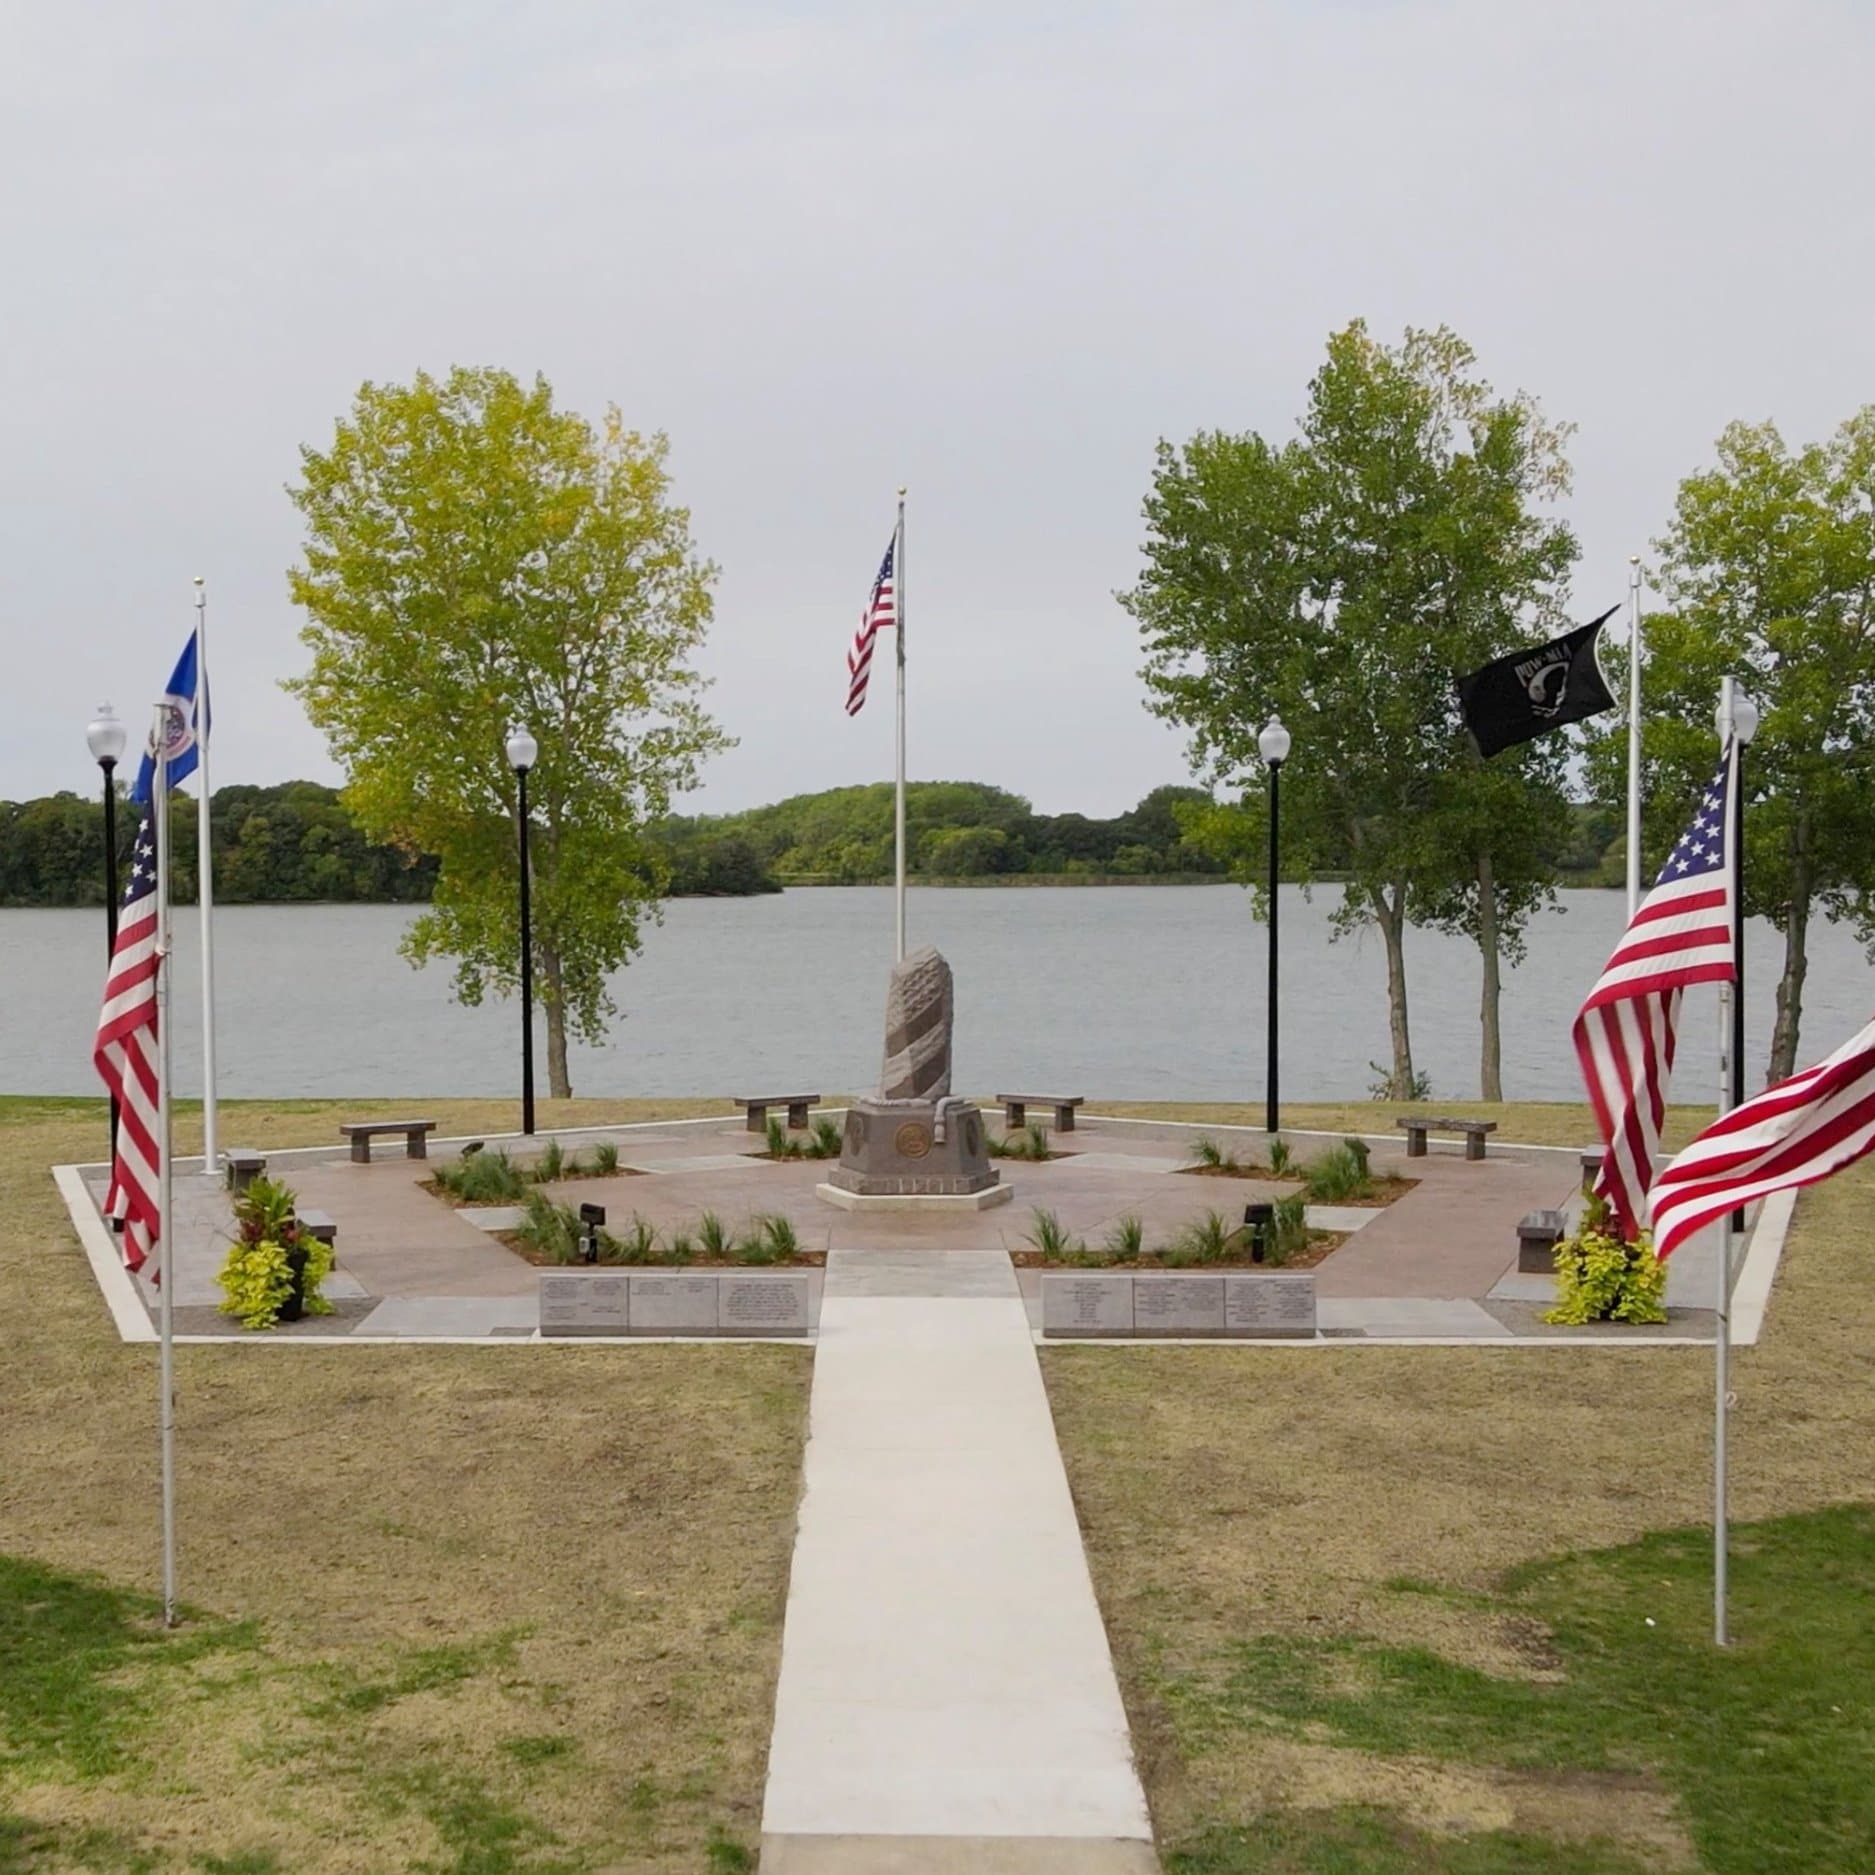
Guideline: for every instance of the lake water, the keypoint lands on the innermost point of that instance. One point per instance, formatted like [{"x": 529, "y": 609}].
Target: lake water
[{"x": 1128, "y": 992}]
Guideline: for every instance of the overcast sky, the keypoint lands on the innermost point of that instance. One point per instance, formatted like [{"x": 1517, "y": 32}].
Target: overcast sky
[{"x": 991, "y": 250}]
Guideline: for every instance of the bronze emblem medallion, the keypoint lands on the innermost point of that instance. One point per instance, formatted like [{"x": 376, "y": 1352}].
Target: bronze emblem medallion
[{"x": 911, "y": 1141}]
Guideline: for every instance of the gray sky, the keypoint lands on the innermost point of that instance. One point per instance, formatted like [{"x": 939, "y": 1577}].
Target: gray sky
[{"x": 992, "y": 250}]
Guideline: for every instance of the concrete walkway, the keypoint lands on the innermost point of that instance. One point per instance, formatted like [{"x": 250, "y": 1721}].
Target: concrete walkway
[{"x": 947, "y": 1700}]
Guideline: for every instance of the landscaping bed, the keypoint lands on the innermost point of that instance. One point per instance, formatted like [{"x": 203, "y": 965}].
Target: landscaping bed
[
  {"x": 1210, "y": 1242},
  {"x": 552, "y": 1236}
]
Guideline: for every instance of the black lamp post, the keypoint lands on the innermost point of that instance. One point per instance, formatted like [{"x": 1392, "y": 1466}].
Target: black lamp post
[
  {"x": 105, "y": 738},
  {"x": 1273, "y": 745},
  {"x": 522, "y": 752}
]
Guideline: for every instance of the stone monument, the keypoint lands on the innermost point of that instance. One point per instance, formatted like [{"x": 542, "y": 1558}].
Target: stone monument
[{"x": 915, "y": 1144}]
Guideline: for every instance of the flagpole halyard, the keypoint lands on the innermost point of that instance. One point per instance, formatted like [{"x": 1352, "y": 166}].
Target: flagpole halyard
[
  {"x": 898, "y": 590},
  {"x": 1634, "y": 734},
  {"x": 205, "y": 883},
  {"x": 165, "y": 1171}
]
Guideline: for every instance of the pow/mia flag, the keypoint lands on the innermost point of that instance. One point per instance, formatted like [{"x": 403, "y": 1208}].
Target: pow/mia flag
[{"x": 1531, "y": 692}]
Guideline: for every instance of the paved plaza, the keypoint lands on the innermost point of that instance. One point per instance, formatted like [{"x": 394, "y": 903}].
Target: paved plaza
[{"x": 1438, "y": 1264}]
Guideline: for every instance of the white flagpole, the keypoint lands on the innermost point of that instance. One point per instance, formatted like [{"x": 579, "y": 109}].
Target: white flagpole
[
  {"x": 205, "y": 884},
  {"x": 898, "y": 598},
  {"x": 1722, "y": 1327},
  {"x": 1634, "y": 735},
  {"x": 165, "y": 1180}
]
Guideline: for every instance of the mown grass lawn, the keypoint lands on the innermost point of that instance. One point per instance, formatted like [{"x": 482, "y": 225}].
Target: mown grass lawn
[
  {"x": 501, "y": 1611},
  {"x": 1447, "y": 1612}
]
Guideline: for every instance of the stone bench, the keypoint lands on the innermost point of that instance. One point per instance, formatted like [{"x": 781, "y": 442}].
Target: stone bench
[
  {"x": 1591, "y": 1169},
  {"x": 1538, "y": 1234},
  {"x": 1016, "y": 1108},
  {"x": 757, "y": 1106},
  {"x": 243, "y": 1168},
  {"x": 362, "y": 1132},
  {"x": 320, "y": 1225},
  {"x": 1417, "y": 1127}
]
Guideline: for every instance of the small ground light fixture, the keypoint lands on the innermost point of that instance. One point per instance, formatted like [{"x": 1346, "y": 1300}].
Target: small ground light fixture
[{"x": 591, "y": 1222}]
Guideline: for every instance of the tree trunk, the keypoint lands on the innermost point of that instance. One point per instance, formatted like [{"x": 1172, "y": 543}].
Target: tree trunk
[
  {"x": 1491, "y": 1060},
  {"x": 1390, "y": 914},
  {"x": 553, "y": 999},
  {"x": 1790, "y": 984}
]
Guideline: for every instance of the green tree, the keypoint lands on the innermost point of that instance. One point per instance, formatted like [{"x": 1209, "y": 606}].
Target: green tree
[
  {"x": 1769, "y": 571},
  {"x": 476, "y": 559},
  {"x": 1343, "y": 580}
]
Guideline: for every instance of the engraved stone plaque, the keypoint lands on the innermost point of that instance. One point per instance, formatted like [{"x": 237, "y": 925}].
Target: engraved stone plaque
[
  {"x": 1178, "y": 1305},
  {"x": 1276, "y": 1307},
  {"x": 672, "y": 1303},
  {"x": 762, "y": 1305},
  {"x": 584, "y": 1304},
  {"x": 1087, "y": 1307}
]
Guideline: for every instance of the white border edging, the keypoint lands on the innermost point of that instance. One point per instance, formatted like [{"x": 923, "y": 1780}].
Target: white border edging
[
  {"x": 115, "y": 1282},
  {"x": 1751, "y": 1290}
]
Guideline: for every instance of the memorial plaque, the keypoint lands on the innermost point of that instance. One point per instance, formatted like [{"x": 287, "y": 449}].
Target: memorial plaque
[
  {"x": 1087, "y": 1307},
  {"x": 669, "y": 1303},
  {"x": 1178, "y": 1305},
  {"x": 581, "y": 1304},
  {"x": 762, "y": 1305},
  {"x": 1270, "y": 1308}
]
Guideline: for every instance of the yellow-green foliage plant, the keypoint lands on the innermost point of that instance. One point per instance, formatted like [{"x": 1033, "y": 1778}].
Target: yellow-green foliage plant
[
  {"x": 257, "y": 1278},
  {"x": 1601, "y": 1279}
]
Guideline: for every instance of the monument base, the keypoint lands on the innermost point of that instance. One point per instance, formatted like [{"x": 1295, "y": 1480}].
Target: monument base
[
  {"x": 919, "y": 1150},
  {"x": 986, "y": 1199}
]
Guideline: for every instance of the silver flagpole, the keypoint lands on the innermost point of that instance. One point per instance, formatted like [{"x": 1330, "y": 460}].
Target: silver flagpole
[
  {"x": 898, "y": 600},
  {"x": 1634, "y": 734},
  {"x": 165, "y": 1176},
  {"x": 1722, "y": 1327},
  {"x": 205, "y": 883}
]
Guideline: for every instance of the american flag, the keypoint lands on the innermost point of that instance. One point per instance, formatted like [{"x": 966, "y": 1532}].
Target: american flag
[
  {"x": 1794, "y": 1133},
  {"x": 125, "y": 1055},
  {"x": 1627, "y": 1030},
  {"x": 881, "y": 609}
]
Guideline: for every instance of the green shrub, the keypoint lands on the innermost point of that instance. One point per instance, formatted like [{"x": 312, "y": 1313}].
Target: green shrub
[
  {"x": 713, "y": 1235},
  {"x": 681, "y": 1247},
  {"x": 826, "y": 1141},
  {"x": 256, "y": 1280},
  {"x": 1127, "y": 1239},
  {"x": 1205, "y": 1239},
  {"x": 638, "y": 1245},
  {"x": 1601, "y": 1279},
  {"x": 780, "y": 1146},
  {"x": 605, "y": 1158},
  {"x": 482, "y": 1178},
  {"x": 551, "y": 1164},
  {"x": 1358, "y": 1147},
  {"x": 1281, "y": 1156},
  {"x": 1290, "y": 1231},
  {"x": 549, "y": 1229},
  {"x": 770, "y": 1238},
  {"x": 1206, "y": 1151},
  {"x": 264, "y": 1211},
  {"x": 780, "y": 1233},
  {"x": 1337, "y": 1175},
  {"x": 1048, "y": 1234}
]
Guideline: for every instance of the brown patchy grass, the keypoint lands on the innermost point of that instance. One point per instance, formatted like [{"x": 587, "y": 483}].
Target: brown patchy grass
[
  {"x": 513, "y": 1609},
  {"x": 1381, "y": 1494}
]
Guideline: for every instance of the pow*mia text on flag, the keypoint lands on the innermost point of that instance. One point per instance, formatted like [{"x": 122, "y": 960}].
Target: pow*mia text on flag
[{"x": 1517, "y": 698}]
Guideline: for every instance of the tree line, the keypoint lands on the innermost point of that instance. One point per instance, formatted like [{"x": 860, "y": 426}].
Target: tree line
[{"x": 1343, "y": 578}]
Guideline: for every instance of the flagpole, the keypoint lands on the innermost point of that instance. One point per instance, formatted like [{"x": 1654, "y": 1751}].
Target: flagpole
[
  {"x": 165, "y": 1171},
  {"x": 205, "y": 883},
  {"x": 1722, "y": 1326},
  {"x": 1634, "y": 734},
  {"x": 898, "y": 596}
]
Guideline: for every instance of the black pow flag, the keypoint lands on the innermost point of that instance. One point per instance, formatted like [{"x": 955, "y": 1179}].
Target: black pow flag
[{"x": 1529, "y": 693}]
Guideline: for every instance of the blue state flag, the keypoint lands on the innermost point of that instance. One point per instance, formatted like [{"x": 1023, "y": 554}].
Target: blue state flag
[{"x": 185, "y": 715}]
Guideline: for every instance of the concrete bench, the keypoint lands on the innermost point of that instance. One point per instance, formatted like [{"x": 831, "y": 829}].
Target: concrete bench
[
  {"x": 319, "y": 1224},
  {"x": 1016, "y": 1108},
  {"x": 362, "y": 1132},
  {"x": 1418, "y": 1126},
  {"x": 1538, "y": 1234},
  {"x": 243, "y": 1168},
  {"x": 757, "y": 1106},
  {"x": 1591, "y": 1169}
]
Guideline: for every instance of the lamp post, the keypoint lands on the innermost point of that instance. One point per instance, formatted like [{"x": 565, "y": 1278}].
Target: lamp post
[
  {"x": 1273, "y": 745},
  {"x": 522, "y": 752},
  {"x": 105, "y": 738}
]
